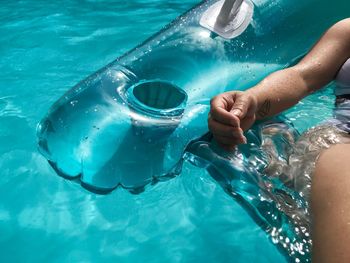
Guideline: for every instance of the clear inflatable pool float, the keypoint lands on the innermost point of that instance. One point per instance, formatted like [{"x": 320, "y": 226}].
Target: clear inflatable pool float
[{"x": 134, "y": 121}]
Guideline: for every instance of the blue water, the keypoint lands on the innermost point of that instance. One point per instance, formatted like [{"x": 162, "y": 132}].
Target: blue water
[{"x": 47, "y": 47}]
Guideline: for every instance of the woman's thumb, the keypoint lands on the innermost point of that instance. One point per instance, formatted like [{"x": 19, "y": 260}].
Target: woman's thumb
[{"x": 240, "y": 106}]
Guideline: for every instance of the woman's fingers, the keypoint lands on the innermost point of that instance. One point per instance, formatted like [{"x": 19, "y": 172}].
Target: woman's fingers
[
  {"x": 228, "y": 141},
  {"x": 224, "y": 130},
  {"x": 231, "y": 107},
  {"x": 230, "y": 113},
  {"x": 220, "y": 111},
  {"x": 225, "y": 134}
]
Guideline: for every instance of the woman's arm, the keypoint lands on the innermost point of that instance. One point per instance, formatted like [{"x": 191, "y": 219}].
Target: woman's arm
[
  {"x": 285, "y": 88},
  {"x": 233, "y": 112}
]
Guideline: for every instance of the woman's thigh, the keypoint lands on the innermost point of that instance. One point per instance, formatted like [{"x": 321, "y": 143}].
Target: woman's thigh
[{"x": 330, "y": 205}]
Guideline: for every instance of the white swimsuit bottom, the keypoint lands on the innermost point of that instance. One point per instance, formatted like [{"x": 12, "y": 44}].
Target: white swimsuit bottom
[{"x": 342, "y": 115}]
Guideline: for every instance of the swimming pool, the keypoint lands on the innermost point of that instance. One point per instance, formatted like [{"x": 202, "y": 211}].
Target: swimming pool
[{"x": 45, "y": 49}]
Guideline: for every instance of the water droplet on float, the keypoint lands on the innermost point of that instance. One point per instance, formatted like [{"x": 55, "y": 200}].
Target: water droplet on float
[{"x": 73, "y": 102}]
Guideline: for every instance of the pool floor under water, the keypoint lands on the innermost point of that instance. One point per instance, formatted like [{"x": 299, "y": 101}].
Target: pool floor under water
[{"x": 45, "y": 48}]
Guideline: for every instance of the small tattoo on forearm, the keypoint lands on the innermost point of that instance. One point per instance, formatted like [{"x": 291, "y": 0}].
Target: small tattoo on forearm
[{"x": 264, "y": 109}]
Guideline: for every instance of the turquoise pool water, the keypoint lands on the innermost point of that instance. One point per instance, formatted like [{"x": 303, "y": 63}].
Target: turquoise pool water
[{"x": 47, "y": 47}]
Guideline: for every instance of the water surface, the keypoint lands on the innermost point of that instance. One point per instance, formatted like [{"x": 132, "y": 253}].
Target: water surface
[{"x": 47, "y": 47}]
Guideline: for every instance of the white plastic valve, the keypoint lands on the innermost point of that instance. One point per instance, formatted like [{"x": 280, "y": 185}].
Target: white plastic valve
[{"x": 228, "y": 18}]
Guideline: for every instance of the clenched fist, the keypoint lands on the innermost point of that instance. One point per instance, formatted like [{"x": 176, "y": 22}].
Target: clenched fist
[{"x": 231, "y": 113}]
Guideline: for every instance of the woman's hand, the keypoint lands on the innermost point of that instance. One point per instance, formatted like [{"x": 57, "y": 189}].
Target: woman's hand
[{"x": 231, "y": 113}]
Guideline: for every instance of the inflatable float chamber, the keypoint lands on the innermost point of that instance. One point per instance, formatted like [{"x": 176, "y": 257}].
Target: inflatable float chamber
[{"x": 129, "y": 123}]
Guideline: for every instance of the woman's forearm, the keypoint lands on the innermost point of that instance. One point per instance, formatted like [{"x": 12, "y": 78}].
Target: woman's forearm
[
  {"x": 233, "y": 112},
  {"x": 278, "y": 92},
  {"x": 287, "y": 87}
]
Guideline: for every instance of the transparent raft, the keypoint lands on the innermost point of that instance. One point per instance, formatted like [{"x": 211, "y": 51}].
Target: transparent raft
[
  {"x": 134, "y": 121},
  {"x": 130, "y": 122}
]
